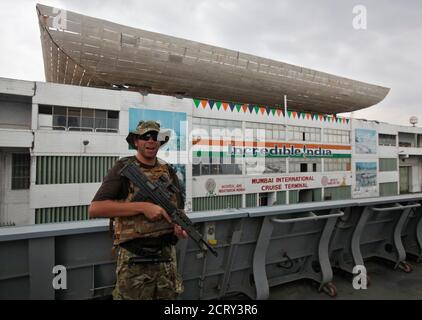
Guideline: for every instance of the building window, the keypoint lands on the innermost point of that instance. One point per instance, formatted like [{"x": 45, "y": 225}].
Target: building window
[
  {"x": 21, "y": 163},
  {"x": 388, "y": 189},
  {"x": 251, "y": 200},
  {"x": 301, "y": 164},
  {"x": 388, "y": 164},
  {"x": 275, "y": 165},
  {"x": 217, "y": 202},
  {"x": 214, "y": 157},
  {"x": 263, "y": 199},
  {"x": 337, "y": 136},
  {"x": 338, "y": 193},
  {"x": 61, "y": 214},
  {"x": 406, "y": 140},
  {"x": 387, "y": 140},
  {"x": 337, "y": 164},
  {"x": 258, "y": 131},
  {"x": 297, "y": 133},
  {"x": 81, "y": 119}
]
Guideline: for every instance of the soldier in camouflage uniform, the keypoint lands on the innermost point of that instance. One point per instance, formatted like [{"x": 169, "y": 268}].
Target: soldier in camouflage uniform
[{"x": 141, "y": 229}]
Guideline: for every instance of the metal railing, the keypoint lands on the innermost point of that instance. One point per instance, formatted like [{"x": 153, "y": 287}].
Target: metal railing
[{"x": 258, "y": 248}]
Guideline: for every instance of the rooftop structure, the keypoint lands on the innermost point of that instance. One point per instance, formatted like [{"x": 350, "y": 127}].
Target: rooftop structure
[{"x": 86, "y": 51}]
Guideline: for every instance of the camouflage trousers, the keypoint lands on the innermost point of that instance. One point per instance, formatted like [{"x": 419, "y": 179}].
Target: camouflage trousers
[{"x": 147, "y": 281}]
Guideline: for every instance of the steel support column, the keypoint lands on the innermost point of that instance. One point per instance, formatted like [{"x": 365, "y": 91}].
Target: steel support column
[
  {"x": 357, "y": 233},
  {"x": 41, "y": 262},
  {"x": 259, "y": 257}
]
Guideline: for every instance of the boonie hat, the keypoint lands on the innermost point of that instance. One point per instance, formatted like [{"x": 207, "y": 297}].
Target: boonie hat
[{"x": 142, "y": 128}]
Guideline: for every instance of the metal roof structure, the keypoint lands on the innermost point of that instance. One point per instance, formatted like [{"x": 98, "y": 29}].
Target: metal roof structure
[{"x": 86, "y": 51}]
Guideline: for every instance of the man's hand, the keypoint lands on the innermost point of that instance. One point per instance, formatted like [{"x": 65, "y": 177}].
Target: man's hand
[
  {"x": 179, "y": 232},
  {"x": 154, "y": 212}
]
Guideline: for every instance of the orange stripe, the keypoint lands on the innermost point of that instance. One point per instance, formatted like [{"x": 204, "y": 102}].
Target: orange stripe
[{"x": 207, "y": 142}]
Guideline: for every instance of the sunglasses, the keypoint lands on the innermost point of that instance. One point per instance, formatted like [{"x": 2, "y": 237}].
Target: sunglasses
[{"x": 149, "y": 135}]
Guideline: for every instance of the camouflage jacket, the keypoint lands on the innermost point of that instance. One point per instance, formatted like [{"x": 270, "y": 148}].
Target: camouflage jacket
[{"x": 138, "y": 226}]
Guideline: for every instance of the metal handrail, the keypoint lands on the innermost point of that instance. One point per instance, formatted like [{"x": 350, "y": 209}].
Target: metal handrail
[
  {"x": 313, "y": 216},
  {"x": 397, "y": 207},
  {"x": 89, "y": 128},
  {"x": 107, "y": 130},
  {"x": 52, "y": 127}
]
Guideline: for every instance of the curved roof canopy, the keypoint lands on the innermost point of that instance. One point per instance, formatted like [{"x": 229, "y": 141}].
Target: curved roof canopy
[{"x": 86, "y": 51}]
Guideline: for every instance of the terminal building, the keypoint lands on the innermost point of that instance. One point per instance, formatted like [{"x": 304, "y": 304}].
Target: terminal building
[
  {"x": 58, "y": 141},
  {"x": 246, "y": 131}
]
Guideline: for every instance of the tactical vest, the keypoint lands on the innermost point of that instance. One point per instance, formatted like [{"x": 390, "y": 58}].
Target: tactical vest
[{"x": 138, "y": 226}]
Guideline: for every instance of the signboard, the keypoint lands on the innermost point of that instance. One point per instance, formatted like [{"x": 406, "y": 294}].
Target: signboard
[
  {"x": 365, "y": 141},
  {"x": 206, "y": 186},
  {"x": 203, "y": 148},
  {"x": 366, "y": 179},
  {"x": 176, "y": 122}
]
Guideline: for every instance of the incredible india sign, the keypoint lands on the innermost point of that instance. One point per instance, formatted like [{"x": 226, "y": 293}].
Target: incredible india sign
[{"x": 245, "y": 149}]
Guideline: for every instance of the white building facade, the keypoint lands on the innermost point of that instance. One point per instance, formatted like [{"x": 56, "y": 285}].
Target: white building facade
[{"x": 58, "y": 141}]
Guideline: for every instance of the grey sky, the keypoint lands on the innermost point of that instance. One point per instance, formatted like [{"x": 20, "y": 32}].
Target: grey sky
[{"x": 316, "y": 34}]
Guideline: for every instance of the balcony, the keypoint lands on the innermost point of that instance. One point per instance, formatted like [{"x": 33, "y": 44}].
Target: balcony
[
  {"x": 15, "y": 121},
  {"x": 16, "y": 138}
]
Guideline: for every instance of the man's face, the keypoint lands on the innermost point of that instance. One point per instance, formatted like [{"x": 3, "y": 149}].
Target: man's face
[{"x": 147, "y": 144}]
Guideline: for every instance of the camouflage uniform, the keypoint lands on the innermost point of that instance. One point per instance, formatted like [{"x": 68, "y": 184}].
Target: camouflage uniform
[{"x": 146, "y": 280}]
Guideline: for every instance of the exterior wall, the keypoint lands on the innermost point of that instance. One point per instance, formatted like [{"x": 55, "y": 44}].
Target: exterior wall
[
  {"x": 15, "y": 116},
  {"x": 64, "y": 143},
  {"x": 269, "y": 182},
  {"x": 59, "y": 195},
  {"x": 15, "y": 138},
  {"x": 17, "y": 87},
  {"x": 228, "y": 190},
  {"x": 410, "y": 156},
  {"x": 15, "y": 113},
  {"x": 3, "y": 212},
  {"x": 338, "y": 193},
  {"x": 414, "y": 163},
  {"x": 387, "y": 152},
  {"x": 388, "y": 189},
  {"x": 14, "y": 204},
  {"x": 217, "y": 203}
]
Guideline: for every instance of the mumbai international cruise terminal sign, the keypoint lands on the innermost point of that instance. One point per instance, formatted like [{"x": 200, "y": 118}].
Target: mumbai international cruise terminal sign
[
  {"x": 220, "y": 185},
  {"x": 304, "y": 181}
]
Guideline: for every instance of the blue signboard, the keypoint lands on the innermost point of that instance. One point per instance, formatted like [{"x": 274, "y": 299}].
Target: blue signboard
[{"x": 174, "y": 121}]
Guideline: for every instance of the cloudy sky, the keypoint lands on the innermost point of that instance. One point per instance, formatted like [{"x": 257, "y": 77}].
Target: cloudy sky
[{"x": 317, "y": 34}]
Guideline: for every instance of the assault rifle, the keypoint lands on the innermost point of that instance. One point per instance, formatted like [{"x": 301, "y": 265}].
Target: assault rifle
[{"x": 160, "y": 192}]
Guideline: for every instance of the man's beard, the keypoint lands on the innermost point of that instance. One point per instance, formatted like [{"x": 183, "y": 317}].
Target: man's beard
[{"x": 146, "y": 154}]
